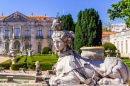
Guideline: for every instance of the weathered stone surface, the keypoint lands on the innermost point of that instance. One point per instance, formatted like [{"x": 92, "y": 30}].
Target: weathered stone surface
[{"x": 71, "y": 68}]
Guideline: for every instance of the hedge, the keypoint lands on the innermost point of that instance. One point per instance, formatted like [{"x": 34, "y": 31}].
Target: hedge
[
  {"x": 18, "y": 65},
  {"x": 44, "y": 65},
  {"x": 29, "y": 62},
  {"x": 23, "y": 59},
  {"x": 6, "y": 64}
]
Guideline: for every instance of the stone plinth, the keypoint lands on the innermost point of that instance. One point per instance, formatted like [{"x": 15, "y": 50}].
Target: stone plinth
[
  {"x": 2, "y": 69},
  {"x": 92, "y": 85},
  {"x": 10, "y": 79},
  {"x": 38, "y": 79},
  {"x": 22, "y": 70},
  {"x": 93, "y": 53},
  {"x": 51, "y": 72},
  {"x": 14, "y": 60}
]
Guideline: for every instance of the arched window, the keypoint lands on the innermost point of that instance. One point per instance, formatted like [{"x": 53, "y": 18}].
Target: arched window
[
  {"x": 39, "y": 32},
  {"x": 50, "y": 32},
  {"x": 51, "y": 45},
  {"x": 6, "y": 32},
  {"x": 26, "y": 32},
  {"x": 39, "y": 47},
  {"x": 17, "y": 45},
  {"x": 17, "y": 31},
  {"x": 26, "y": 45}
]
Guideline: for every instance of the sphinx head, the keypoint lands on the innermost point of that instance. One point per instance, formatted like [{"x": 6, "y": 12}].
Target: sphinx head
[{"x": 62, "y": 39}]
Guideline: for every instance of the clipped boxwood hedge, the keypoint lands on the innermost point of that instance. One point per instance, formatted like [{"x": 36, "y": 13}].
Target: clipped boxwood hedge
[
  {"x": 29, "y": 62},
  {"x": 6, "y": 64},
  {"x": 44, "y": 65},
  {"x": 18, "y": 65}
]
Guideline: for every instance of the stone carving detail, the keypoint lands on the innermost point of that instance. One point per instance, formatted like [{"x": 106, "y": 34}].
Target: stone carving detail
[
  {"x": 38, "y": 68},
  {"x": 71, "y": 68}
]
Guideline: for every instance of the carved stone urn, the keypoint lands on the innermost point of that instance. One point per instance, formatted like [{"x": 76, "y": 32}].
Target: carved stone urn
[
  {"x": 13, "y": 53},
  {"x": 94, "y": 53}
]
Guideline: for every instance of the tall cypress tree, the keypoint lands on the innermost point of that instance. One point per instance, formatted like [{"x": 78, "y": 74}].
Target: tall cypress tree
[
  {"x": 88, "y": 31},
  {"x": 68, "y": 23}
]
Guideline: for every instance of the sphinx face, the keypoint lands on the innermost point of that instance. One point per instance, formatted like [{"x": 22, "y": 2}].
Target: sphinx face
[{"x": 59, "y": 44}]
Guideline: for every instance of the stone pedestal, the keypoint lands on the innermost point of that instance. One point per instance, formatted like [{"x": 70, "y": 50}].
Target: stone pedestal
[
  {"x": 13, "y": 60},
  {"x": 29, "y": 53},
  {"x": 91, "y": 85},
  {"x": 51, "y": 72},
  {"x": 10, "y": 79},
  {"x": 93, "y": 53},
  {"x": 22, "y": 70},
  {"x": 38, "y": 79},
  {"x": 2, "y": 70}
]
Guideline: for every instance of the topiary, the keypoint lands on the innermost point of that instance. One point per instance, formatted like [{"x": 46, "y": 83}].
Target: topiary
[
  {"x": 111, "y": 47},
  {"x": 46, "y": 50}
]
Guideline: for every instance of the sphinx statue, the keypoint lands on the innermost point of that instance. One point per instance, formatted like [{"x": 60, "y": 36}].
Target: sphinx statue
[{"x": 72, "y": 69}]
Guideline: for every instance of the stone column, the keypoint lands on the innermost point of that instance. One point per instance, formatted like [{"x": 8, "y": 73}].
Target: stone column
[
  {"x": 10, "y": 32},
  {"x": 33, "y": 37},
  {"x": 21, "y": 45},
  {"x": 11, "y": 44},
  {"x": 13, "y": 32},
  {"x": 20, "y": 31}
]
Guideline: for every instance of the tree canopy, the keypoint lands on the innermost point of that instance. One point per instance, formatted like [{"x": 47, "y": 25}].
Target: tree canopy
[
  {"x": 120, "y": 10},
  {"x": 68, "y": 23},
  {"x": 88, "y": 31}
]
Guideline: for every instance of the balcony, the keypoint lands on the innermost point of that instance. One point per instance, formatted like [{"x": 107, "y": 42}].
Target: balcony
[
  {"x": 26, "y": 37},
  {"x": 6, "y": 37},
  {"x": 39, "y": 37},
  {"x": 49, "y": 37},
  {"x": 17, "y": 37}
]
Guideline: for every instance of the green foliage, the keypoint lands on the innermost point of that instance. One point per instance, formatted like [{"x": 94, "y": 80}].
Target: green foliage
[
  {"x": 18, "y": 65},
  {"x": 88, "y": 31},
  {"x": 46, "y": 50},
  {"x": 46, "y": 61},
  {"x": 29, "y": 62},
  {"x": 120, "y": 10},
  {"x": 6, "y": 64},
  {"x": 111, "y": 47},
  {"x": 68, "y": 23}
]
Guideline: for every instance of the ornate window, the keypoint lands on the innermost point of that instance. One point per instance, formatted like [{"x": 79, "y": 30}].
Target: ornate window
[
  {"x": 17, "y": 31},
  {"x": 6, "y": 32},
  {"x": 39, "y": 32},
  {"x": 51, "y": 45},
  {"x": 39, "y": 47},
  {"x": 26, "y": 32},
  {"x": 50, "y": 32},
  {"x": 26, "y": 45}
]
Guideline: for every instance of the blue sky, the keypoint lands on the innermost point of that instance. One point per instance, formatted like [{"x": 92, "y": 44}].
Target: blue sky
[{"x": 51, "y": 7}]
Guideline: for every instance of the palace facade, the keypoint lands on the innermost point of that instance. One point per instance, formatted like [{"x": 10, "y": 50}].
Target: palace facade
[{"x": 19, "y": 31}]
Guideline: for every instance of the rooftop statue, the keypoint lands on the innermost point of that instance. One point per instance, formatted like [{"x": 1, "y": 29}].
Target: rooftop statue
[{"x": 71, "y": 68}]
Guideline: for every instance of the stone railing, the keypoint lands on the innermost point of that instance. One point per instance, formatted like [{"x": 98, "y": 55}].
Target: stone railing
[
  {"x": 39, "y": 37},
  {"x": 17, "y": 37}
]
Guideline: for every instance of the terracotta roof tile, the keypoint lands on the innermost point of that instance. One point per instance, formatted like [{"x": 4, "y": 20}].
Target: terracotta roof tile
[
  {"x": 37, "y": 17},
  {"x": 108, "y": 32}
]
